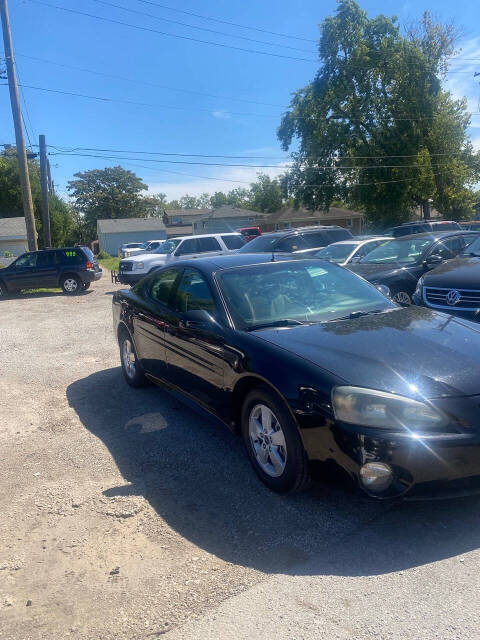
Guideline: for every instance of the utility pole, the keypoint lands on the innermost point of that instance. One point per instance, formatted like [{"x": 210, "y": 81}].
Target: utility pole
[
  {"x": 47, "y": 240},
  {"x": 19, "y": 138}
]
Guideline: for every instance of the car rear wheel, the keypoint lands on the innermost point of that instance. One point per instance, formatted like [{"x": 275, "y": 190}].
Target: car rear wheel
[
  {"x": 402, "y": 297},
  {"x": 273, "y": 443},
  {"x": 71, "y": 284},
  {"x": 86, "y": 285},
  {"x": 131, "y": 367},
  {"x": 3, "y": 290}
]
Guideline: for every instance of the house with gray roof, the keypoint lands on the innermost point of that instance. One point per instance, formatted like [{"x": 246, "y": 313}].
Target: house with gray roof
[
  {"x": 226, "y": 218},
  {"x": 114, "y": 232},
  {"x": 13, "y": 236}
]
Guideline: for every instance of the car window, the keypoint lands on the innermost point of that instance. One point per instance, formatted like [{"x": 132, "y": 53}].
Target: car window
[
  {"x": 261, "y": 244},
  {"x": 445, "y": 226},
  {"x": 27, "y": 260},
  {"x": 193, "y": 293},
  {"x": 186, "y": 247},
  {"x": 48, "y": 259},
  {"x": 448, "y": 248},
  {"x": 88, "y": 252},
  {"x": 400, "y": 250},
  {"x": 336, "y": 252},
  {"x": 317, "y": 239},
  {"x": 289, "y": 244},
  {"x": 72, "y": 256},
  {"x": 161, "y": 285},
  {"x": 208, "y": 244},
  {"x": 336, "y": 235},
  {"x": 306, "y": 291},
  {"x": 233, "y": 242}
]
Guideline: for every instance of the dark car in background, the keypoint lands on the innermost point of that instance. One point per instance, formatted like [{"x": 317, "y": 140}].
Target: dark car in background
[
  {"x": 311, "y": 364},
  {"x": 303, "y": 240},
  {"x": 454, "y": 286},
  {"x": 424, "y": 226},
  {"x": 399, "y": 264},
  {"x": 71, "y": 268}
]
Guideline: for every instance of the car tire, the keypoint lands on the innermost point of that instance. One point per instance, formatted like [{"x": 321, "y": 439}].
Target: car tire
[
  {"x": 86, "y": 285},
  {"x": 71, "y": 284},
  {"x": 132, "y": 369},
  {"x": 279, "y": 460},
  {"x": 402, "y": 298},
  {"x": 3, "y": 290}
]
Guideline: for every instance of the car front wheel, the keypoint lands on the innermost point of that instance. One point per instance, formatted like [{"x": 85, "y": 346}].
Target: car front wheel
[
  {"x": 71, "y": 285},
  {"x": 402, "y": 297},
  {"x": 273, "y": 443}
]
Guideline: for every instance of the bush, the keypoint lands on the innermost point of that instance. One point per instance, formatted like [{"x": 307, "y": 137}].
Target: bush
[
  {"x": 103, "y": 255},
  {"x": 8, "y": 254}
]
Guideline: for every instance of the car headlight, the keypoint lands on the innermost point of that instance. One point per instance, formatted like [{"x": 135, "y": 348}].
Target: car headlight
[
  {"x": 139, "y": 265},
  {"x": 379, "y": 409},
  {"x": 418, "y": 290}
]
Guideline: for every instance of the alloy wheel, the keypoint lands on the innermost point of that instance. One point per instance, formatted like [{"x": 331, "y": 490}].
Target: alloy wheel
[
  {"x": 70, "y": 285},
  {"x": 128, "y": 357},
  {"x": 267, "y": 440},
  {"x": 402, "y": 298}
]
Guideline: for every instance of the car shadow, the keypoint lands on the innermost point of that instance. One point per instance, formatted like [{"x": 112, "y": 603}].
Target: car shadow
[
  {"x": 195, "y": 475},
  {"x": 44, "y": 294}
]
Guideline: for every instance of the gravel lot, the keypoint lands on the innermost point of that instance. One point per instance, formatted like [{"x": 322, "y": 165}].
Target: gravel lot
[{"x": 127, "y": 515}]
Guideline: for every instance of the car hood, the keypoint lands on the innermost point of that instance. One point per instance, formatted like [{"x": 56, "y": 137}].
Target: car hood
[
  {"x": 374, "y": 272},
  {"x": 147, "y": 257},
  {"x": 400, "y": 350},
  {"x": 460, "y": 273}
]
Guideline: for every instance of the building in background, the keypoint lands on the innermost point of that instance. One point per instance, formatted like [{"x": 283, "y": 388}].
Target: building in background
[
  {"x": 112, "y": 233},
  {"x": 183, "y": 217},
  {"x": 226, "y": 219},
  {"x": 13, "y": 236},
  {"x": 291, "y": 218}
]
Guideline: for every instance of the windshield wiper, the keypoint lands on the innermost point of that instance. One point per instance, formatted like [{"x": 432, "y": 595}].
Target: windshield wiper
[
  {"x": 287, "y": 322},
  {"x": 357, "y": 314}
]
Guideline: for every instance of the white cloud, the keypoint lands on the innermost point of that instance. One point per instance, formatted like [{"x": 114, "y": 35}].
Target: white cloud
[{"x": 221, "y": 115}]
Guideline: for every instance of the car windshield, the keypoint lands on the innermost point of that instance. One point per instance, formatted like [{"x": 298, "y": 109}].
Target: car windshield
[
  {"x": 134, "y": 245},
  {"x": 401, "y": 250},
  {"x": 473, "y": 249},
  {"x": 296, "y": 292},
  {"x": 260, "y": 244},
  {"x": 336, "y": 252},
  {"x": 168, "y": 246}
]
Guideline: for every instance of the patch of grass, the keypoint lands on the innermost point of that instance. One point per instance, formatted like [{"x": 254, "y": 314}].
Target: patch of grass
[
  {"x": 110, "y": 263},
  {"x": 43, "y": 290}
]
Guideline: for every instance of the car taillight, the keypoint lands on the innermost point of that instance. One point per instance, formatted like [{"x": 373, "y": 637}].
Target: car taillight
[{"x": 89, "y": 265}]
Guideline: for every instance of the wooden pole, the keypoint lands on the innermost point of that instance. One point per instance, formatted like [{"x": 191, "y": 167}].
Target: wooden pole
[
  {"x": 47, "y": 239},
  {"x": 19, "y": 138}
]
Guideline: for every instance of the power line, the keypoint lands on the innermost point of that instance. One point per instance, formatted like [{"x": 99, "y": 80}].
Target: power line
[
  {"x": 170, "y": 35},
  {"x": 213, "y": 111},
  {"x": 192, "y": 26},
  {"x": 236, "y": 165},
  {"x": 149, "y": 84},
  {"x": 232, "y": 24},
  {"x": 26, "y": 111}
]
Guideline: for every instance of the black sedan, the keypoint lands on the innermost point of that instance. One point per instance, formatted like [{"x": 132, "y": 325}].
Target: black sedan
[
  {"x": 310, "y": 363},
  {"x": 399, "y": 263},
  {"x": 454, "y": 286}
]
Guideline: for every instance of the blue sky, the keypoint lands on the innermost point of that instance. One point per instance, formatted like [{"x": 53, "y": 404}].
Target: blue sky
[{"x": 170, "y": 75}]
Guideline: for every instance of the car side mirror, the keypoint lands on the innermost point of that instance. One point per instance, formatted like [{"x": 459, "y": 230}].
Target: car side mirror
[
  {"x": 199, "y": 319},
  {"x": 433, "y": 261},
  {"x": 383, "y": 289}
]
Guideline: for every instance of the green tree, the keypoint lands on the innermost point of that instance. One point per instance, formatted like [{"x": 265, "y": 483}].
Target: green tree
[
  {"x": 219, "y": 199},
  {"x": 188, "y": 202},
  {"x": 374, "y": 127},
  {"x": 266, "y": 195},
  {"x": 113, "y": 192}
]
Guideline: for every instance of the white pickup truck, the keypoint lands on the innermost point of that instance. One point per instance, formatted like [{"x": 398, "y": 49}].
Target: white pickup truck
[{"x": 133, "y": 269}]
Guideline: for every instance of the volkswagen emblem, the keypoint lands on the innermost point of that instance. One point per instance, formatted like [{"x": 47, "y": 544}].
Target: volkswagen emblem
[{"x": 453, "y": 297}]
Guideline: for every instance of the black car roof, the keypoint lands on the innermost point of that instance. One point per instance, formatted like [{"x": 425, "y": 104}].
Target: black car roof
[
  {"x": 219, "y": 263},
  {"x": 298, "y": 230},
  {"x": 434, "y": 235}
]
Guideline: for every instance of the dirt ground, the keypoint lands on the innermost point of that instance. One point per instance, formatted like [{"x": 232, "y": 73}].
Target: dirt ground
[{"x": 124, "y": 513}]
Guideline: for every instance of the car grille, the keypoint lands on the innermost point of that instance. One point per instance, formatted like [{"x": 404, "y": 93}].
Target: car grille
[
  {"x": 451, "y": 298},
  {"x": 126, "y": 266}
]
